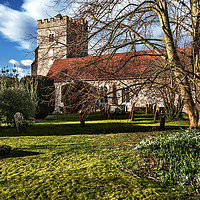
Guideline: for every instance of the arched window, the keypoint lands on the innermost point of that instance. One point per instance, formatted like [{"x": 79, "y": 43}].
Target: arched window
[{"x": 51, "y": 37}]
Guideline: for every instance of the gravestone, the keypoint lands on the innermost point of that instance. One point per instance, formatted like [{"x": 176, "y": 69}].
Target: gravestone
[
  {"x": 20, "y": 122},
  {"x": 116, "y": 110}
]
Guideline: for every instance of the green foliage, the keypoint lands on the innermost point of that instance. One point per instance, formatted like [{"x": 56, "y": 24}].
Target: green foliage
[
  {"x": 7, "y": 82},
  {"x": 14, "y": 100},
  {"x": 41, "y": 90},
  {"x": 173, "y": 109},
  {"x": 173, "y": 159}
]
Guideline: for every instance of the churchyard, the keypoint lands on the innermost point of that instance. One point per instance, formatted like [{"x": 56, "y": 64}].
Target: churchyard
[{"x": 56, "y": 158}]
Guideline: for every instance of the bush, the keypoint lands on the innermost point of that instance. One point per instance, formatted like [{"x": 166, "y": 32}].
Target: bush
[
  {"x": 8, "y": 82},
  {"x": 14, "y": 100},
  {"x": 41, "y": 90},
  {"x": 173, "y": 159}
]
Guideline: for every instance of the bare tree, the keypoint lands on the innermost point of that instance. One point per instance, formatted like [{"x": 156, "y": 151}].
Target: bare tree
[{"x": 121, "y": 25}]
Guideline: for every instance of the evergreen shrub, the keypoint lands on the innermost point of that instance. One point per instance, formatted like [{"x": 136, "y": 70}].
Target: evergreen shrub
[
  {"x": 14, "y": 100},
  {"x": 42, "y": 92}
]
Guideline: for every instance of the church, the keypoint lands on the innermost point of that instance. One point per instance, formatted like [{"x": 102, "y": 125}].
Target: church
[{"x": 62, "y": 54}]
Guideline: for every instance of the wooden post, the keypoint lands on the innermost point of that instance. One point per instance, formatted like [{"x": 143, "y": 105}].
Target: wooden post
[
  {"x": 156, "y": 115},
  {"x": 154, "y": 108},
  {"x": 147, "y": 108},
  {"x": 162, "y": 122}
]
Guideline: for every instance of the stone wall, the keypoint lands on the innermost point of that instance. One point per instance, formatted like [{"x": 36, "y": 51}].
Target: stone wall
[{"x": 127, "y": 99}]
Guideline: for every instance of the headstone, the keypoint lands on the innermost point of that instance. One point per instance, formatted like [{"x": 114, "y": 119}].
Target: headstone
[
  {"x": 20, "y": 122},
  {"x": 116, "y": 109}
]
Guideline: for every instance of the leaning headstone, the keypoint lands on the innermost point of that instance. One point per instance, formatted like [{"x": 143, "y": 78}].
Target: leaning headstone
[{"x": 20, "y": 122}]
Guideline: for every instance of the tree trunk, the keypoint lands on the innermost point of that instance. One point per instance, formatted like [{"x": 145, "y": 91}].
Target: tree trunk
[
  {"x": 174, "y": 62},
  {"x": 195, "y": 8},
  {"x": 82, "y": 118}
]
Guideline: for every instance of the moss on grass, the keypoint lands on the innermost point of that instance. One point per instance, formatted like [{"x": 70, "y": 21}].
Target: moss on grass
[
  {"x": 58, "y": 159},
  {"x": 74, "y": 167}
]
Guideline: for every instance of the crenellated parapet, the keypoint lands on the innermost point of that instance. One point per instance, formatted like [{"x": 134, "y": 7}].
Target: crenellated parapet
[{"x": 59, "y": 20}]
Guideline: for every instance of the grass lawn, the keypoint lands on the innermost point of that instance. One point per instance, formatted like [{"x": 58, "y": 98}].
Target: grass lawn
[{"x": 58, "y": 159}]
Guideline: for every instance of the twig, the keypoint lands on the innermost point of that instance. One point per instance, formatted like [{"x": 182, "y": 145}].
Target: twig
[
  {"x": 125, "y": 169},
  {"x": 131, "y": 172}
]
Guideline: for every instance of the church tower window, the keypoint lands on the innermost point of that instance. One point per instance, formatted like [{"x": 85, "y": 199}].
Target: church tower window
[{"x": 51, "y": 37}]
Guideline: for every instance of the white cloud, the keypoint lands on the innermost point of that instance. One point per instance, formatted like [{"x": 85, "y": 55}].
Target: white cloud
[
  {"x": 26, "y": 63},
  {"x": 22, "y": 72},
  {"x": 14, "y": 62},
  {"x": 15, "y": 25},
  {"x": 22, "y": 63},
  {"x": 23, "y": 67},
  {"x": 39, "y": 9}
]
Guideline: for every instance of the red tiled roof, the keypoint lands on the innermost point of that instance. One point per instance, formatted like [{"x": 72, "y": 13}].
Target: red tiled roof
[{"x": 119, "y": 65}]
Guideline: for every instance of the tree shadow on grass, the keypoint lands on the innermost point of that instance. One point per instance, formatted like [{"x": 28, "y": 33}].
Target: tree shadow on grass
[
  {"x": 93, "y": 128},
  {"x": 19, "y": 153}
]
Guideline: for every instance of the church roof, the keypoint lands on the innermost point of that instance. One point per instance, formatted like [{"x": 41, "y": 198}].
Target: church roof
[{"x": 116, "y": 66}]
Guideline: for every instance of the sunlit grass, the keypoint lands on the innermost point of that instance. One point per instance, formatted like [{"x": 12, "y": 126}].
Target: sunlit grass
[
  {"x": 146, "y": 120},
  {"x": 75, "y": 167},
  {"x": 58, "y": 159},
  {"x": 95, "y": 124}
]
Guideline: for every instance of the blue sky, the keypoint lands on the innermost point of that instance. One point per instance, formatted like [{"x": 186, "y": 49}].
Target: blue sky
[{"x": 18, "y": 23}]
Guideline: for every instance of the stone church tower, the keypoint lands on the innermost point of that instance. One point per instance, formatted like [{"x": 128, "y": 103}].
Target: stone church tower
[{"x": 60, "y": 37}]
